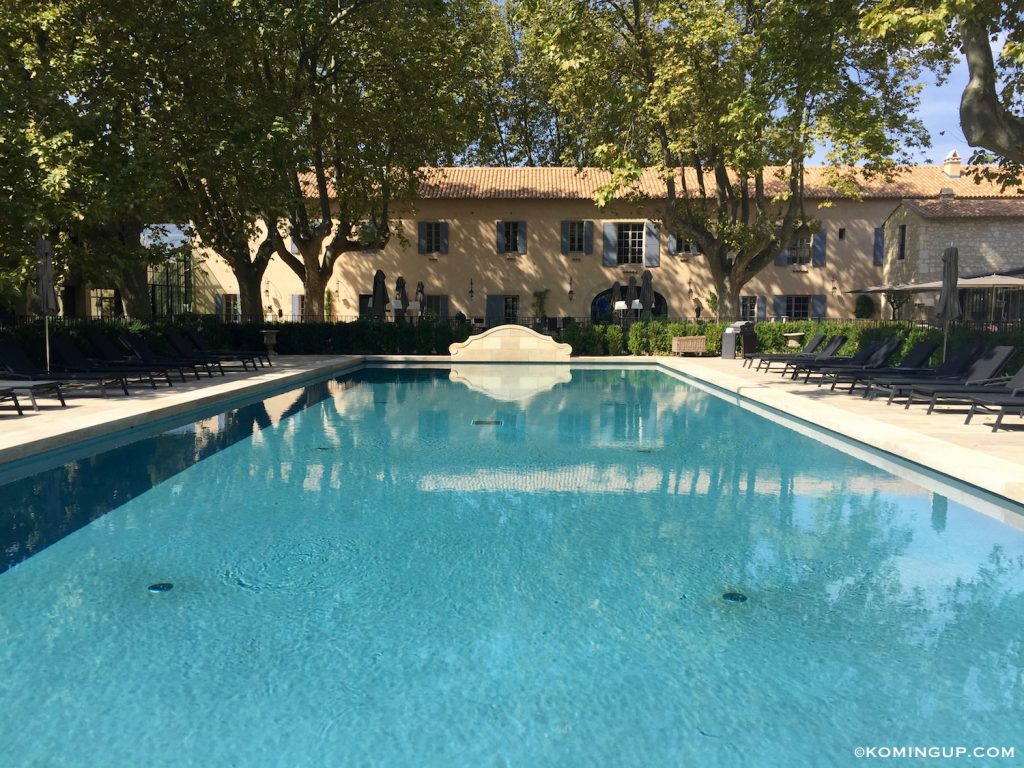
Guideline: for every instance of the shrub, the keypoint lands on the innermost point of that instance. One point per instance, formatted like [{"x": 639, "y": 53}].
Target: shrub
[
  {"x": 864, "y": 307},
  {"x": 613, "y": 338}
]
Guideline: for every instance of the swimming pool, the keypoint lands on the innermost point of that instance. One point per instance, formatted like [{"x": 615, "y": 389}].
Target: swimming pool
[{"x": 400, "y": 569}]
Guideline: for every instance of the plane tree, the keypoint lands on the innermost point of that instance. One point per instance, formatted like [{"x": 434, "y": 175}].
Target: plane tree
[{"x": 728, "y": 100}]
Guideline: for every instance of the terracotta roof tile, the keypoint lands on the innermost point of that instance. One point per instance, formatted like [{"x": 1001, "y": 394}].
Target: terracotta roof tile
[
  {"x": 953, "y": 208},
  {"x": 570, "y": 183}
]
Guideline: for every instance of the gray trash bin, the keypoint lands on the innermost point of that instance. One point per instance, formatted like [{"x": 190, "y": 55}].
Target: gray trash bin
[{"x": 731, "y": 336}]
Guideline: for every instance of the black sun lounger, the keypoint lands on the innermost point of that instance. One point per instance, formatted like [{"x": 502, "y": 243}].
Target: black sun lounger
[
  {"x": 954, "y": 368},
  {"x": 874, "y": 355},
  {"x": 204, "y": 347},
  {"x": 914, "y": 359},
  {"x": 144, "y": 352},
  {"x": 985, "y": 367},
  {"x": 116, "y": 355},
  {"x": 185, "y": 348},
  {"x": 73, "y": 359},
  {"x": 1001, "y": 405},
  {"x": 34, "y": 389},
  {"x": 809, "y": 349},
  {"x": 10, "y": 394},
  {"x": 949, "y": 393},
  {"x": 18, "y": 366}
]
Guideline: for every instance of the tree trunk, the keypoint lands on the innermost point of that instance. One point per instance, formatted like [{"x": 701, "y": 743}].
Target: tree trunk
[
  {"x": 315, "y": 287},
  {"x": 250, "y": 299},
  {"x": 728, "y": 300},
  {"x": 133, "y": 284}
]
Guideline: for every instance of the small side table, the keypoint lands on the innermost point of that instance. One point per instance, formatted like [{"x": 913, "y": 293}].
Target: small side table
[{"x": 792, "y": 339}]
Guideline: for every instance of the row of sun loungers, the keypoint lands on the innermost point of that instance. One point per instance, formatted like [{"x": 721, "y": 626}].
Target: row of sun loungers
[
  {"x": 118, "y": 364},
  {"x": 970, "y": 377}
]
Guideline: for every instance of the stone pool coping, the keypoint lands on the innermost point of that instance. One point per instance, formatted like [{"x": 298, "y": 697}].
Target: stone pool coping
[{"x": 991, "y": 461}]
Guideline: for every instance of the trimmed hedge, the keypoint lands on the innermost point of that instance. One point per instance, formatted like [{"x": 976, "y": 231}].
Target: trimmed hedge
[{"x": 652, "y": 337}]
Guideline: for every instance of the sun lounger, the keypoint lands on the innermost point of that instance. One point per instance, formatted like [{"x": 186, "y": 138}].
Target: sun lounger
[
  {"x": 811, "y": 348},
  {"x": 942, "y": 393},
  {"x": 985, "y": 367},
  {"x": 952, "y": 369},
  {"x": 1002, "y": 405},
  {"x": 72, "y": 358},
  {"x": 874, "y": 355},
  {"x": 205, "y": 347},
  {"x": 826, "y": 352},
  {"x": 114, "y": 354},
  {"x": 18, "y": 366},
  {"x": 186, "y": 349},
  {"x": 796, "y": 367},
  {"x": 34, "y": 389},
  {"x": 914, "y": 359},
  {"x": 144, "y": 352},
  {"x": 10, "y": 394}
]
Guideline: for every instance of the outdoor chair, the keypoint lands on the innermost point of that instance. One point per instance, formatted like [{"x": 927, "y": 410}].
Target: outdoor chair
[
  {"x": 1001, "y": 405},
  {"x": 144, "y": 352},
  {"x": 873, "y": 355},
  {"x": 825, "y": 352},
  {"x": 810, "y": 348},
  {"x": 34, "y": 389},
  {"x": 71, "y": 357},
  {"x": 943, "y": 393},
  {"x": 912, "y": 361},
  {"x": 18, "y": 365},
  {"x": 113, "y": 354},
  {"x": 184, "y": 348},
  {"x": 984, "y": 367},
  {"x": 204, "y": 347},
  {"x": 954, "y": 367}
]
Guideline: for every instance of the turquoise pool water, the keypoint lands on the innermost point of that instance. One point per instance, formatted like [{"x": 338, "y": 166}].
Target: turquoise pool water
[{"x": 395, "y": 569}]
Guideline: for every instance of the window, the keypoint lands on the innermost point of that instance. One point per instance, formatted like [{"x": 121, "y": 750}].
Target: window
[
  {"x": 682, "y": 246},
  {"x": 510, "y": 230},
  {"x": 511, "y": 309},
  {"x": 432, "y": 237},
  {"x": 748, "y": 308},
  {"x": 576, "y": 237},
  {"x": 104, "y": 302},
  {"x": 630, "y": 244},
  {"x": 800, "y": 251},
  {"x": 798, "y": 307},
  {"x": 842, "y": 233},
  {"x": 902, "y": 245},
  {"x": 232, "y": 309},
  {"x": 436, "y": 305}
]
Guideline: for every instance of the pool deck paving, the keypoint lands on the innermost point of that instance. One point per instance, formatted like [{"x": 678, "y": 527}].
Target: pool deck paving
[{"x": 973, "y": 453}]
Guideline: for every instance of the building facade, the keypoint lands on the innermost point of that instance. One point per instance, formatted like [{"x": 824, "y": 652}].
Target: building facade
[{"x": 505, "y": 244}]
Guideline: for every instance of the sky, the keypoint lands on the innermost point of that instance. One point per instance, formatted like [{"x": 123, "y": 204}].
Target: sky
[{"x": 940, "y": 112}]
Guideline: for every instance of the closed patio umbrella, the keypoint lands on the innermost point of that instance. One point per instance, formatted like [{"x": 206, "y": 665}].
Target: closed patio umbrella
[
  {"x": 379, "y": 300},
  {"x": 421, "y": 297},
  {"x": 44, "y": 287},
  {"x": 632, "y": 295},
  {"x": 947, "y": 308},
  {"x": 401, "y": 299},
  {"x": 646, "y": 295}
]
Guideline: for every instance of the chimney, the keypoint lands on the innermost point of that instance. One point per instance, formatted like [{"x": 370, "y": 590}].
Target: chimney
[{"x": 951, "y": 165}]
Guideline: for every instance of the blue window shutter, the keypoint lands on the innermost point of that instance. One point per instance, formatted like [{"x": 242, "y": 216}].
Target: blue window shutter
[
  {"x": 652, "y": 244},
  {"x": 818, "y": 304},
  {"x": 783, "y": 258},
  {"x": 818, "y": 246},
  {"x": 444, "y": 237},
  {"x": 442, "y": 306},
  {"x": 673, "y": 243},
  {"x": 879, "y": 252},
  {"x": 778, "y": 305},
  {"x": 500, "y": 244},
  {"x": 762, "y": 307},
  {"x": 611, "y": 245},
  {"x": 565, "y": 238},
  {"x": 495, "y": 308},
  {"x": 521, "y": 245},
  {"x": 588, "y": 237},
  {"x": 421, "y": 232},
  {"x": 218, "y": 305},
  {"x": 296, "y": 310}
]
